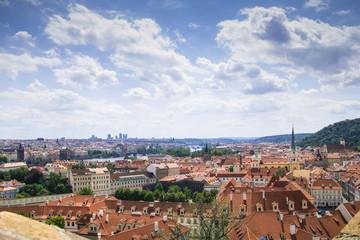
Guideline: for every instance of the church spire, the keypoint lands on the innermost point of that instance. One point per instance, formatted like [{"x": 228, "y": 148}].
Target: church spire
[{"x": 293, "y": 147}]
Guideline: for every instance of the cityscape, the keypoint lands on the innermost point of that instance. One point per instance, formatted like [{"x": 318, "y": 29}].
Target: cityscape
[{"x": 179, "y": 119}]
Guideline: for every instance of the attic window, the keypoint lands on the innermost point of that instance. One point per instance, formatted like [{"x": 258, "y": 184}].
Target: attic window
[
  {"x": 170, "y": 211},
  {"x": 259, "y": 207},
  {"x": 121, "y": 209},
  {"x": 291, "y": 205},
  {"x": 32, "y": 215},
  {"x": 49, "y": 214},
  {"x": 275, "y": 206},
  {"x": 92, "y": 229},
  {"x": 157, "y": 212},
  {"x": 145, "y": 210},
  {"x": 195, "y": 212},
  {"x": 304, "y": 204},
  {"x": 182, "y": 212},
  {"x": 133, "y": 209}
]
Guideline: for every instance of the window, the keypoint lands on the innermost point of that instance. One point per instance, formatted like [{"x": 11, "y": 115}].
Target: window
[
  {"x": 304, "y": 204},
  {"x": 275, "y": 206},
  {"x": 291, "y": 205}
]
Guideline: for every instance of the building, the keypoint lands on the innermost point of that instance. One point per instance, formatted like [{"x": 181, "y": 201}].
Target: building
[
  {"x": 131, "y": 179},
  {"x": 160, "y": 170},
  {"x": 94, "y": 178},
  {"x": 11, "y": 166},
  {"x": 327, "y": 193},
  {"x": 20, "y": 153}
]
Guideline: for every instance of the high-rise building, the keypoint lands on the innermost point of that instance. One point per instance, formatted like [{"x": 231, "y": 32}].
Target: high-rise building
[
  {"x": 120, "y": 135},
  {"x": 109, "y": 136}
]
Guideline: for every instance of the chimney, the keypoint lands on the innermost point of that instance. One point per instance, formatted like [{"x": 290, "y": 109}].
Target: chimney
[
  {"x": 99, "y": 236},
  {"x": 164, "y": 219},
  {"x": 244, "y": 197},
  {"x": 156, "y": 226},
  {"x": 107, "y": 218},
  {"x": 287, "y": 200},
  {"x": 93, "y": 215},
  {"x": 316, "y": 237},
  {"x": 231, "y": 201},
  {"x": 263, "y": 194},
  {"x": 292, "y": 229}
]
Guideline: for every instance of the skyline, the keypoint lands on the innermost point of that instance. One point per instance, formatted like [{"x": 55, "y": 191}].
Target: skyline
[{"x": 182, "y": 69}]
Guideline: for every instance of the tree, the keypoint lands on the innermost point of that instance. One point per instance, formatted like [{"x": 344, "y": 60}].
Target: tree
[
  {"x": 187, "y": 192},
  {"x": 126, "y": 195},
  {"x": 149, "y": 197},
  {"x": 119, "y": 193},
  {"x": 86, "y": 191},
  {"x": 57, "y": 221},
  {"x": 78, "y": 166},
  {"x": 174, "y": 189},
  {"x": 57, "y": 184},
  {"x": 231, "y": 169},
  {"x": 19, "y": 173},
  {"x": 31, "y": 189},
  {"x": 159, "y": 187},
  {"x": 43, "y": 192},
  {"x": 110, "y": 165},
  {"x": 214, "y": 221},
  {"x": 135, "y": 195},
  {"x": 4, "y": 159},
  {"x": 34, "y": 176},
  {"x": 281, "y": 172}
]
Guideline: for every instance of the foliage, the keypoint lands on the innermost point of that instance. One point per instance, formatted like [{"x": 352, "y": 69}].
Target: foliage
[
  {"x": 149, "y": 197},
  {"x": 281, "y": 172},
  {"x": 34, "y": 176},
  {"x": 17, "y": 174},
  {"x": 86, "y": 191},
  {"x": 57, "y": 221},
  {"x": 159, "y": 187},
  {"x": 130, "y": 158},
  {"x": 231, "y": 169},
  {"x": 102, "y": 154},
  {"x": 78, "y": 166},
  {"x": 4, "y": 159},
  {"x": 57, "y": 184},
  {"x": 149, "y": 150},
  {"x": 32, "y": 190},
  {"x": 177, "y": 152},
  {"x": 221, "y": 152},
  {"x": 110, "y": 165},
  {"x": 348, "y": 129},
  {"x": 215, "y": 224},
  {"x": 22, "y": 213},
  {"x": 93, "y": 166},
  {"x": 134, "y": 195},
  {"x": 205, "y": 197},
  {"x": 281, "y": 138}
]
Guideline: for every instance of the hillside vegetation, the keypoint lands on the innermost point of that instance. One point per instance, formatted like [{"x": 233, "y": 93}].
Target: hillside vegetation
[
  {"x": 285, "y": 138},
  {"x": 348, "y": 129}
]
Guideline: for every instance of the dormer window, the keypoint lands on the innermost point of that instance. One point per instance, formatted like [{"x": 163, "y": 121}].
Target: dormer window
[
  {"x": 121, "y": 209},
  {"x": 145, "y": 210},
  {"x": 170, "y": 211},
  {"x": 133, "y": 209},
  {"x": 291, "y": 205},
  {"x": 195, "y": 213},
  {"x": 304, "y": 204},
  {"x": 59, "y": 214},
  {"x": 157, "y": 211},
  {"x": 259, "y": 207},
  {"x": 93, "y": 228},
  {"x": 275, "y": 206},
  {"x": 68, "y": 215},
  {"x": 77, "y": 215},
  {"x": 84, "y": 202},
  {"x": 50, "y": 215},
  {"x": 182, "y": 212},
  {"x": 32, "y": 214}
]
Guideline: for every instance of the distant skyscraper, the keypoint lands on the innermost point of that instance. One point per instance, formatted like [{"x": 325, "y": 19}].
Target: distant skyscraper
[
  {"x": 109, "y": 136},
  {"x": 120, "y": 135},
  {"x": 125, "y": 135}
]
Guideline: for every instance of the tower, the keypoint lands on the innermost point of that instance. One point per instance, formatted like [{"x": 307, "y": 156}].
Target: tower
[
  {"x": 207, "y": 154},
  {"x": 20, "y": 153},
  {"x": 293, "y": 146}
]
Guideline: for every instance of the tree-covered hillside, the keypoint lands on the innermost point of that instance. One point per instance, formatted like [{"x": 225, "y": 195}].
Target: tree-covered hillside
[
  {"x": 285, "y": 138},
  {"x": 348, "y": 129}
]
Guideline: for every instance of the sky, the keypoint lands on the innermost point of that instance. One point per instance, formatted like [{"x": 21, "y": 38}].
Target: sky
[{"x": 177, "y": 68}]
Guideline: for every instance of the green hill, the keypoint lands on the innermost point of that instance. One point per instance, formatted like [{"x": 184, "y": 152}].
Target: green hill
[
  {"x": 285, "y": 138},
  {"x": 348, "y": 129}
]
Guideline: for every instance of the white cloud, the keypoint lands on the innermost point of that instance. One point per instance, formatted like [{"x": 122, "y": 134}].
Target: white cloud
[
  {"x": 138, "y": 47},
  {"x": 179, "y": 37},
  {"x": 310, "y": 91},
  {"x": 314, "y": 47},
  {"x": 193, "y": 25},
  {"x": 253, "y": 79},
  {"x": 36, "y": 85},
  {"x": 13, "y": 64},
  {"x": 4, "y": 2},
  {"x": 344, "y": 106},
  {"x": 85, "y": 72},
  {"x": 343, "y": 12},
  {"x": 317, "y": 4},
  {"x": 139, "y": 93},
  {"x": 23, "y": 35},
  {"x": 33, "y": 2}
]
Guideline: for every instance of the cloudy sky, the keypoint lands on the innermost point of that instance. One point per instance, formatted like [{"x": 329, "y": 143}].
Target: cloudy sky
[{"x": 171, "y": 68}]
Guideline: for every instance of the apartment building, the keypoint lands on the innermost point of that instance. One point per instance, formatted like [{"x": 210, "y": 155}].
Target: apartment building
[
  {"x": 327, "y": 193},
  {"x": 94, "y": 178},
  {"x": 131, "y": 179}
]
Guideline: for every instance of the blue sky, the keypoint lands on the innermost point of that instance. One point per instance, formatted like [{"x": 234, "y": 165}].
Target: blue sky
[{"x": 166, "y": 68}]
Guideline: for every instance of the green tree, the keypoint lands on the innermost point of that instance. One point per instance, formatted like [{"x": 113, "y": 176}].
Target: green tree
[
  {"x": 4, "y": 159},
  {"x": 78, "y": 166},
  {"x": 19, "y": 173},
  {"x": 110, "y": 165},
  {"x": 43, "y": 192},
  {"x": 159, "y": 187},
  {"x": 174, "y": 189},
  {"x": 231, "y": 169},
  {"x": 86, "y": 191},
  {"x": 57, "y": 221},
  {"x": 93, "y": 166},
  {"x": 180, "y": 197},
  {"x": 34, "y": 176},
  {"x": 149, "y": 197},
  {"x": 281, "y": 172},
  {"x": 135, "y": 195},
  {"x": 127, "y": 194},
  {"x": 31, "y": 189},
  {"x": 187, "y": 192},
  {"x": 119, "y": 193}
]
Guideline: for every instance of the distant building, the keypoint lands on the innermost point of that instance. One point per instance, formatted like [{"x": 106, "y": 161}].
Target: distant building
[
  {"x": 207, "y": 154},
  {"x": 131, "y": 179},
  {"x": 327, "y": 193},
  {"x": 94, "y": 178},
  {"x": 20, "y": 153},
  {"x": 11, "y": 166}
]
